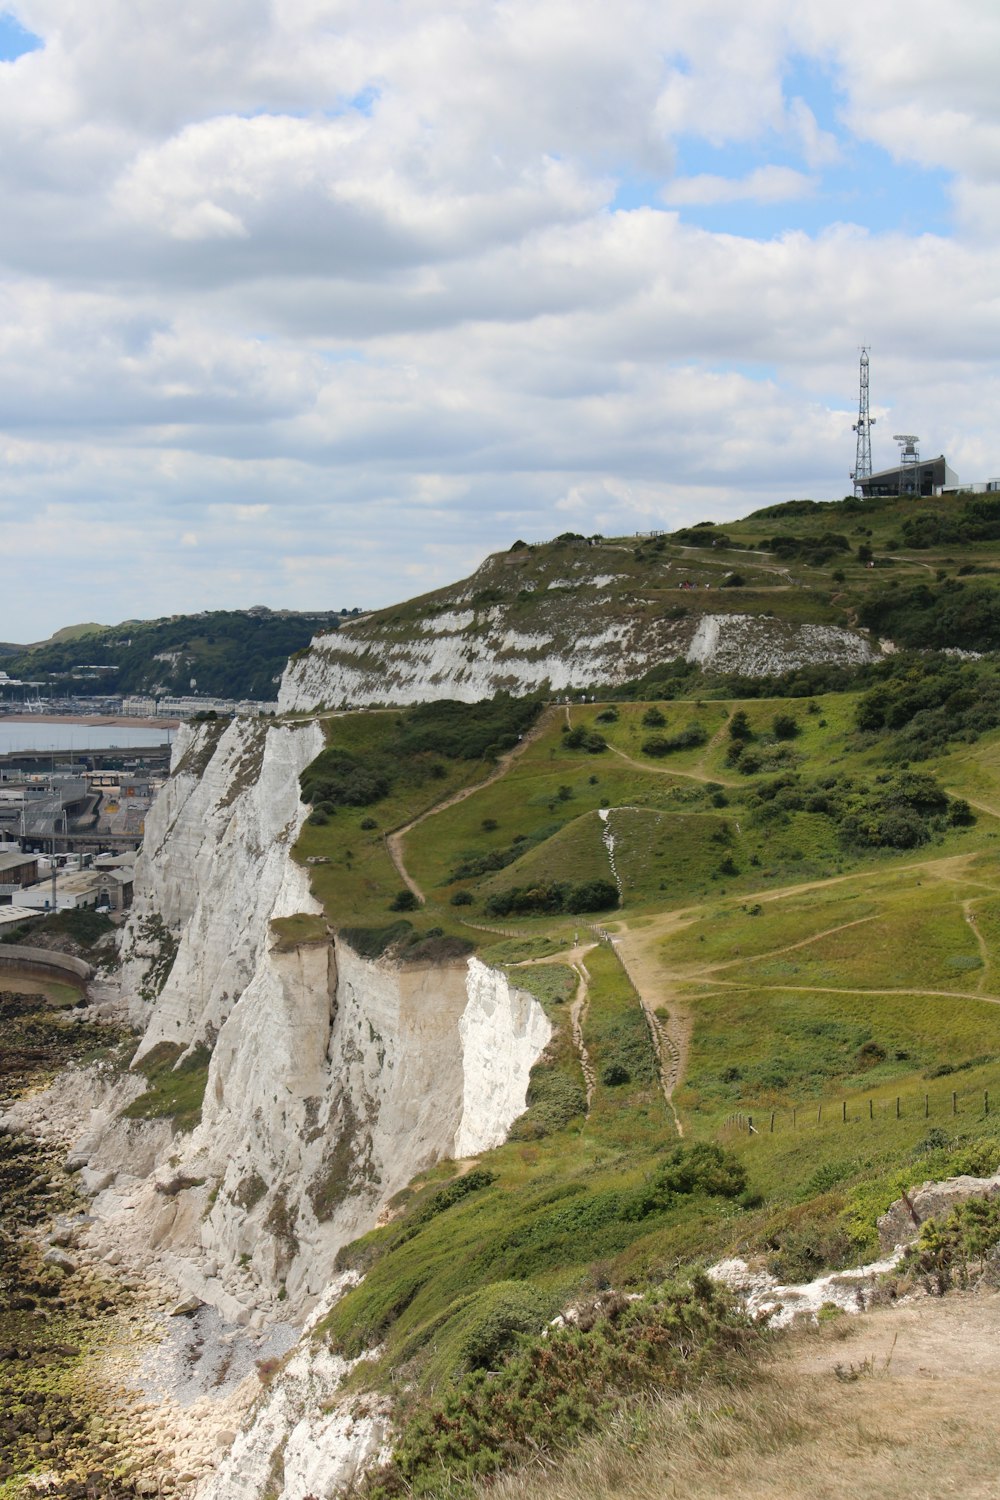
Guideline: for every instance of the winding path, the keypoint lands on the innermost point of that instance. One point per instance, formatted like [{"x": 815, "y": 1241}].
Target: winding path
[
  {"x": 394, "y": 840},
  {"x": 577, "y": 1015},
  {"x": 693, "y": 775}
]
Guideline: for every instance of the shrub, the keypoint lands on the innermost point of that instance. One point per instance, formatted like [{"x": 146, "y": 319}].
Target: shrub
[
  {"x": 584, "y": 739},
  {"x": 552, "y": 898},
  {"x": 685, "y": 739},
  {"x": 739, "y": 727},
  {"x": 653, "y": 718},
  {"x": 953, "y": 1249},
  {"x": 557, "y": 1387},
  {"x": 372, "y": 942},
  {"x": 462, "y": 898},
  {"x": 337, "y": 777},
  {"x": 785, "y": 726},
  {"x": 497, "y": 1315},
  {"x": 404, "y": 900}
]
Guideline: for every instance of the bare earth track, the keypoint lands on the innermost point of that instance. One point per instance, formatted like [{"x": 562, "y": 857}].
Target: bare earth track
[{"x": 394, "y": 841}]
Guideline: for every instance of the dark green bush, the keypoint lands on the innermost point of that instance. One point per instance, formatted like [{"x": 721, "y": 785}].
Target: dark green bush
[
  {"x": 685, "y": 739},
  {"x": 585, "y": 739},
  {"x": 552, "y": 898}
]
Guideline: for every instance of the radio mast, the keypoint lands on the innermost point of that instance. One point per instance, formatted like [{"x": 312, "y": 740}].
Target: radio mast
[{"x": 862, "y": 470}]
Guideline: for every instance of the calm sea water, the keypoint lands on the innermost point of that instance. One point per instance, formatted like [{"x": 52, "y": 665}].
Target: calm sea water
[{"x": 77, "y": 737}]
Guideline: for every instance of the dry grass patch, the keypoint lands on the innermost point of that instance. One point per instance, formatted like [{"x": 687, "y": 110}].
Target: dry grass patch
[{"x": 918, "y": 1422}]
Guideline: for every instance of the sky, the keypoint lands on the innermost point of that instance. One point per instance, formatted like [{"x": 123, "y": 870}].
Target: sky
[{"x": 314, "y": 303}]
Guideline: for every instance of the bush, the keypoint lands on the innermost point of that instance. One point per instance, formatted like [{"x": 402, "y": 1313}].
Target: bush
[
  {"x": 463, "y": 898},
  {"x": 404, "y": 900},
  {"x": 786, "y": 727},
  {"x": 559, "y": 1386},
  {"x": 372, "y": 942},
  {"x": 653, "y": 718},
  {"x": 496, "y": 1317},
  {"x": 552, "y": 898},
  {"x": 614, "y": 1074},
  {"x": 584, "y": 739},
  {"x": 338, "y": 778},
  {"x": 739, "y": 727},
  {"x": 685, "y": 739}
]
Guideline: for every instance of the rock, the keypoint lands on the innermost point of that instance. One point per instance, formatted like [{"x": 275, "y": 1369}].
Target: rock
[
  {"x": 186, "y": 1308},
  {"x": 94, "y": 1182},
  {"x": 147, "y": 1484},
  {"x": 62, "y": 1235},
  {"x": 76, "y": 1161},
  {"x": 901, "y": 1222},
  {"x": 60, "y": 1260},
  {"x": 224, "y": 1438}
]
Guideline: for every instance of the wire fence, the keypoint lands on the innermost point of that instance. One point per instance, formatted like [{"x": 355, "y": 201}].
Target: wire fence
[{"x": 863, "y": 1110}]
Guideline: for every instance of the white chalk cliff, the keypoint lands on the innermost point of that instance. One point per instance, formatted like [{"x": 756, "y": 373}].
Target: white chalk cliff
[
  {"x": 332, "y": 1080},
  {"x": 474, "y": 653}
]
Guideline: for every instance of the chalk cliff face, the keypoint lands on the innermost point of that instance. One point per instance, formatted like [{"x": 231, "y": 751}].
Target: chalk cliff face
[
  {"x": 332, "y": 1079},
  {"x": 473, "y": 653}
]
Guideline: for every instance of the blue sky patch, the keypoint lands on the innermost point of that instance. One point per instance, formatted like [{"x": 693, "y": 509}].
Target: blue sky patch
[
  {"x": 866, "y": 186},
  {"x": 15, "y": 41}
]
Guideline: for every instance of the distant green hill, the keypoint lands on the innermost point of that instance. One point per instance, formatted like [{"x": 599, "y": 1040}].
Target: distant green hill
[
  {"x": 73, "y": 633},
  {"x": 222, "y": 653}
]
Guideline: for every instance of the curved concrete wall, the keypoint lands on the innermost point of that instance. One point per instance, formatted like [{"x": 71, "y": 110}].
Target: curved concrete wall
[{"x": 44, "y": 964}]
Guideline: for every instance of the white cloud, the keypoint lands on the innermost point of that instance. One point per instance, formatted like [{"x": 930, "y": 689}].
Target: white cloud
[
  {"x": 769, "y": 184},
  {"x": 330, "y": 295}
]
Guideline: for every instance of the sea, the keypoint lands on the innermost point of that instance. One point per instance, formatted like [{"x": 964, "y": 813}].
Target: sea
[{"x": 66, "y": 736}]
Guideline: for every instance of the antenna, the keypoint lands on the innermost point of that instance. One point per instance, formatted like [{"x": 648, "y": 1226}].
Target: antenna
[
  {"x": 909, "y": 462},
  {"x": 862, "y": 471}
]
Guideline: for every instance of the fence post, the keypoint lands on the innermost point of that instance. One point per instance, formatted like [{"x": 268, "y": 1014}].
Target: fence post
[
  {"x": 772, "y": 1122},
  {"x": 843, "y": 1112},
  {"x": 954, "y": 1102},
  {"x": 871, "y": 1109},
  {"x": 927, "y": 1107},
  {"x": 897, "y": 1106},
  {"x": 819, "y": 1114}
]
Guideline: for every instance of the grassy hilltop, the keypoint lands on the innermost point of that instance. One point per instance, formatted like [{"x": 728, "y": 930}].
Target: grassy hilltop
[{"x": 803, "y": 561}]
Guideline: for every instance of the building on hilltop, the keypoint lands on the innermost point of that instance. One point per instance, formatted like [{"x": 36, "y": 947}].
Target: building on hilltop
[{"x": 927, "y": 476}]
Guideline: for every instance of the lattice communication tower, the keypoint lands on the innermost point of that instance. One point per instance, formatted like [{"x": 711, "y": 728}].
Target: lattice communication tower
[{"x": 862, "y": 470}]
